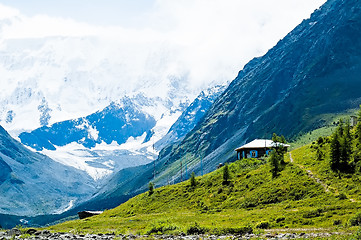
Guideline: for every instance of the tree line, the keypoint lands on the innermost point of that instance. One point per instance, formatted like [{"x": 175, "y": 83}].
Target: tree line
[{"x": 345, "y": 146}]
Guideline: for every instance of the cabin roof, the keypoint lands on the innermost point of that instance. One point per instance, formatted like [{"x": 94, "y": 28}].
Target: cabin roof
[{"x": 261, "y": 143}]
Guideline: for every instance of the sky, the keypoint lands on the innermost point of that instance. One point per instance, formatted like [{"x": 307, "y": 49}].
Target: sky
[
  {"x": 99, "y": 12},
  {"x": 205, "y": 42}
]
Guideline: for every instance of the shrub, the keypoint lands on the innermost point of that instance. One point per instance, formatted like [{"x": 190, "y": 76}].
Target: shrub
[
  {"x": 151, "y": 188},
  {"x": 263, "y": 225},
  {"x": 312, "y": 213},
  {"x": 232, "y": 230},
  {"x": 280, "y": 219},
  {"x": 356, "y": 219},
  {"x": 195, "y": 229},
  {"x": 161, "y": 227},
  {"x": 337, "y": 222},
  {"x": 192, "y": 180},
  {"x": 342, "y": 196}
]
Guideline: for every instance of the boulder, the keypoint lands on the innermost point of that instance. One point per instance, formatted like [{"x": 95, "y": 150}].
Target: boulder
[{"x": 14, "y": 232}]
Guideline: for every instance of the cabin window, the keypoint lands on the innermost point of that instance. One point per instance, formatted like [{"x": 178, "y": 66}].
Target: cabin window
[
  {"x": 243, "y": 154},
  {"x": 268, "y": 152},
  {"x": 239, "y": 155},
  {"x": 254, "y": 154}
]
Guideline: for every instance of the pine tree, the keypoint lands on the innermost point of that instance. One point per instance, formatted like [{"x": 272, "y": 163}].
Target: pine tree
[
  {"x": 192, "y": 180},
  {"x": 279, "y": 148},
  {"x": 357, "y": 152},
  {"x": 151, "y": 188},
  {"x": 346, "y": 147},
  {"x": 335, "y": 152},
  {"x": 226, "y": 175},
  {"x": 273, "y": 160}
]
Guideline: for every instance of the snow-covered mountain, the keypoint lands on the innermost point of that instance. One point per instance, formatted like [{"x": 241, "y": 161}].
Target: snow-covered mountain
[
  {"x": 119, "y": 136},
  {"x": 53, "y": 79},
  {"x": 58, "y": 81},
  {"x": 124, "y": 134}
]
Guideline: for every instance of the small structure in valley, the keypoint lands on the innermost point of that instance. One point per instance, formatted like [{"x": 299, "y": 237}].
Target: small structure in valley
[
  {"x": 86, "y": 214},
  {"x": 257, "y": 148}
]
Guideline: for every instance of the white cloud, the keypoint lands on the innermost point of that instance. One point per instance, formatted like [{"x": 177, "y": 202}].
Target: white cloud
[
  {"x": 8, "y": 12},
  {"x": 204, "y": 40}
]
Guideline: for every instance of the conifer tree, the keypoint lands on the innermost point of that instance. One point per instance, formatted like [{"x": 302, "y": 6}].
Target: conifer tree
[
  {"x": 193, "y": 180},
  {"x": 274, "y": 163},
  {"x": 151, "y": 188},
  {"x": 346, "y": 146},
  {"x": 226, "y": 175},
  {"x": 279, "y": 148},
  {"x": 357, "y": 152},
  {"x": 335, "y": 151}
]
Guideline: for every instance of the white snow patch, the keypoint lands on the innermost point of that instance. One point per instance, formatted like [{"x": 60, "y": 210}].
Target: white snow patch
[
  {"x": 76, "y": 155},
  {"x": 68, "y": 207}
]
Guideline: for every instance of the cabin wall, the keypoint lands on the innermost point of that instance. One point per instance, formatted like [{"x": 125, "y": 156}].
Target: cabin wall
[{"x": 252, "y": 153}]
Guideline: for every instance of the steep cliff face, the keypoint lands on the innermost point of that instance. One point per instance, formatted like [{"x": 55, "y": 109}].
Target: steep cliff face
[
  {"x": 315, "y": 70},
  {"x": 192, "y": 115}
]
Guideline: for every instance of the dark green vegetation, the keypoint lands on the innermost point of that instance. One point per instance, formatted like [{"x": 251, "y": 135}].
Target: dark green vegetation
[
  {"x": 250, "y": 200},
  {"x": 276, "y": 158}
]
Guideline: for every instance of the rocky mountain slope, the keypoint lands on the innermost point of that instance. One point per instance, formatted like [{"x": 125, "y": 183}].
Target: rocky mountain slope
[
  {"x": 191, "y": 116},
  {"x": 311, "y": 74},
  {"x": 33, "y": 184}
]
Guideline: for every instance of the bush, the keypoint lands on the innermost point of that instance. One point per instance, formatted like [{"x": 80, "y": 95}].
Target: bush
[
  {"x": 356, "y": 219},
  {"x": 312, "y": 213},
  {"x": 342, "y": 196},
  {"x": 151, "y": 188},
  {"x": 195, "y": 229},
  {"x": 280, "y": 219},
  {"x": 337, "y": 222},
  {"x": 161, "y": 227},
  {"x": 232, "y": 230},
  {"x": 263, "y": 225}
]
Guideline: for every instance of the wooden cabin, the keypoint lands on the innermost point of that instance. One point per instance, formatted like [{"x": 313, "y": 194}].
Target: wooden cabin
[{"x": 257, "y": 148}]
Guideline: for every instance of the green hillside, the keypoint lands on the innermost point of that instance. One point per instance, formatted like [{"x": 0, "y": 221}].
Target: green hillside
[{"x": 306, "y": 194}]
